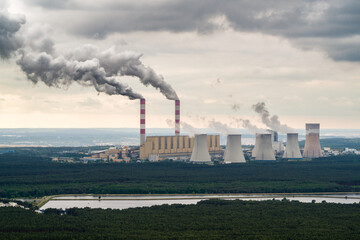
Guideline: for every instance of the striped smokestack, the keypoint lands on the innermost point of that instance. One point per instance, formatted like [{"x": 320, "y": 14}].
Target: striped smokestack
[
  {"x": 177, "y": 117},
  {"x": 142, "y": 121}
]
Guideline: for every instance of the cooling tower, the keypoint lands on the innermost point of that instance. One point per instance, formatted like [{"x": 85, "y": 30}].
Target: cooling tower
[
  {"x": 257, "y": 139},
  {"x": 234, "y": 152},
  {"x": 142, "y": 121},
  {"x": 265, "y": 150},
  {"x": 312, "y": 147},
  {"x": 200, "y": 151},
  {"x": 292, "y": 146},
  {"x": 177, "y": 117}
]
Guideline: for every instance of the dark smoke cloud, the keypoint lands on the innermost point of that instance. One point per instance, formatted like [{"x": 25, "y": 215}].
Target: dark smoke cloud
[
  {"x": 271, "y": 121},
  {"x": 126, "y": 64},
  {"x": 61, "y": 72},
  {"x": 87, "y": 65},
  {"x": 303, "y": 21},
  {"x": 9, "y": 26}
]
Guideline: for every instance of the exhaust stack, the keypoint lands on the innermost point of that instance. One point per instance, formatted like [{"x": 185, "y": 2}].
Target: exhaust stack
[
  {"x": 142, "y": 121},
  {"x": 177, "y": 117},
  {"x": 200, "y": 151},
  {"x": 292, "y": 150},
  {"x": 312, "y": 147},
  {"x": 265, "y": 150},
  {"x": 234, "y": 152}
]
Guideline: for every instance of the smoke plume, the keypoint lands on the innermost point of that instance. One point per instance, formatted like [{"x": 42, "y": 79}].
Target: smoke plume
[
  {"x": 220, "y": 127},
  {"x": 125, "y": 64},
  {"x": 271, "y": 121},
  {"x": 86, "y": 65},
  {"x": 9, "y": 26},
  {"x": 245, "y": 123},
  {"x": 61, "y": 72}
]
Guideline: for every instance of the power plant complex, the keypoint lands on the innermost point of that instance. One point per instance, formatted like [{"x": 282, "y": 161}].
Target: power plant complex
[{"x": 203, "y": 148}]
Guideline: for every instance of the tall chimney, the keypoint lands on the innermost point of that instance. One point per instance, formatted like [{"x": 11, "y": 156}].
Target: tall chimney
[
  {"x": 142, "y": 121},
  {"x": 177, "y": 117},
  {"x": 312, "y": 147}
]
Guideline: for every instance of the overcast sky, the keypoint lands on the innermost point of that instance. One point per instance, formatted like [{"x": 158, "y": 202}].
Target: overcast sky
[{"x": 302, "y": 58}]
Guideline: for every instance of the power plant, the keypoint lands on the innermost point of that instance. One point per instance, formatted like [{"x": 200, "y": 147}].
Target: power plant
[
  {"x": 234, "y": 152},
  {"x": 292, "y": 150},
  {"x": 265, "y": 151},
  {"x": 312, "y": 147},
  {"x": 200, "y": 152},
  {"x": 202, "y": 147}
]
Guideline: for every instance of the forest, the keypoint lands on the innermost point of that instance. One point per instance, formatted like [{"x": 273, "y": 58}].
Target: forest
[
  {"x": 30, "y": 174},
  {"x": 209, "y": 219}
]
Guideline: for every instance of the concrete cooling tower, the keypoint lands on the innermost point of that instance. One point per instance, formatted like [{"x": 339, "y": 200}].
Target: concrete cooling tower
[
  {"x": 257, "y": 140},
  {"x": 312, "y": 147},
  {"x": 234, "y": 152},
  {"x": 292, "y": 150},
  {"x": 265, "y": 150},
  {"x": 200, "y": 151}
]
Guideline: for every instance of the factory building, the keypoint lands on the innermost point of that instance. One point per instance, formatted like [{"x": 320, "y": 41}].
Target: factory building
[{"x": 175, "y": 147}]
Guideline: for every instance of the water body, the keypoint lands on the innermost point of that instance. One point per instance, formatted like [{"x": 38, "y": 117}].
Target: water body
[
  {"x": 122, "y": 136},
  {"x": 124, "y": 202}
]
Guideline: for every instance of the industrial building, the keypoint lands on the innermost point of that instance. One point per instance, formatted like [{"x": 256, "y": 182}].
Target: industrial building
[
  {"x": 312, "y": 147},
  {"x": 176, "y": 147}
]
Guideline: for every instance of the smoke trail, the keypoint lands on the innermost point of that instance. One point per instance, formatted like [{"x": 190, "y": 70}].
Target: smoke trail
[
  {"x": 61, "y": 72},
  {"x": 245, "y": 123},
  {"x": 272, "y": 122},
  {"x": 220, "y": 127},
  {"x": 185, "y": 126},
  {"x": 86, "y": 65},
  {"x": 126, "y": 64},
  {"x": 9, "y": 26}
]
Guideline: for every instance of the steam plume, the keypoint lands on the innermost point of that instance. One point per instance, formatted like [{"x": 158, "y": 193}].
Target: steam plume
[
  {"x": 220, "y": 127},
  {"x": 245, "y": 123},
  {"x": 61, "y": 72},
  {"x": 126, "y": 64},
  {"x": 271, "y": 121},
  {"x": 86, "y": 65}
]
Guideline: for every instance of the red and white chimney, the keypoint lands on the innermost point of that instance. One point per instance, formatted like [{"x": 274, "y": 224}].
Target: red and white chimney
[
  {"x": 177, "y": 117},
  {"x": 142, "y": 121}
]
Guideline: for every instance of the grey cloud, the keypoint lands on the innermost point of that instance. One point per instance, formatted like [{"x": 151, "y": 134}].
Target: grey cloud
[
  {"x": 9, "y": 26},
  {"x": 295, "y": 20}
]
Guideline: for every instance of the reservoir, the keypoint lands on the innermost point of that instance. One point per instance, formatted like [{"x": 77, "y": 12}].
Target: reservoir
[{"x": 133, "y": 201}]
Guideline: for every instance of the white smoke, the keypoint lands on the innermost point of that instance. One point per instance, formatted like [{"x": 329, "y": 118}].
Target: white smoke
[
  {"x": 271, "y": 121},
  {"x": 245, "y": 123},
  {"x": 223, "y": 128}
]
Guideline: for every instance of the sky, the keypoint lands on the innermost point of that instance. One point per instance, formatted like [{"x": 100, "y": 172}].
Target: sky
[{"x": 77, "y": 63}]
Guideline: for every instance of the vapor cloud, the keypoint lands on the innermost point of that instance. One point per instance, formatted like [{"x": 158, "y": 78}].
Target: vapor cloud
[
  {"x": 271, "y": 121},
  {"x": 185, "y": 127}
]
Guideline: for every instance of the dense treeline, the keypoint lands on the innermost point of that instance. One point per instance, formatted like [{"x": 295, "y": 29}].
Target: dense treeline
[
  {"x": 211, "y": 219},
  {"x": 33, "y": 176}
]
